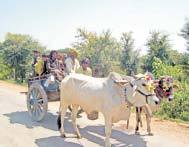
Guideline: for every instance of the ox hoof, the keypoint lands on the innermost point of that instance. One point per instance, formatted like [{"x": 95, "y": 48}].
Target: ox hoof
[
  {"x": 108, "y": 145},
  {"x": 150, "y": 134},
  {"x": 137, "y": 133},
  {"x": 79, "y": 136},
  {"x": 63, "y": 135}
]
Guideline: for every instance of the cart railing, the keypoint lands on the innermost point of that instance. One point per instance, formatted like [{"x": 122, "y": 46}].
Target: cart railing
[{"x": 42, "y": 77}]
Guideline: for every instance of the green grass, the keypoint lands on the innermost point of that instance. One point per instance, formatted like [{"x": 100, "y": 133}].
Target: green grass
[{"x": 164, "y": 117}]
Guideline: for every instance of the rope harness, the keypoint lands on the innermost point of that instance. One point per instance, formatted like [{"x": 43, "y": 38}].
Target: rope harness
[
  {"x": 146, "y": 95},
  {"x": 124, "y": 96}
]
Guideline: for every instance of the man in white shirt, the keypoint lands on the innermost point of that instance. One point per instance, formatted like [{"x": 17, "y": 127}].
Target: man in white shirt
[{"x": 72, "y": 64}]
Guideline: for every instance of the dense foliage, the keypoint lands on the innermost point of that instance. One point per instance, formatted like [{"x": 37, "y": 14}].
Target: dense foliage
[
  {"x": 16, "y": 56},
  {"x": 103, "y": 50},
  {"x": 179, "y": 107}
]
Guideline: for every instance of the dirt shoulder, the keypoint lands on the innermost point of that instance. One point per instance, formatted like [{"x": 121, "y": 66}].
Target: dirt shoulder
[
  {"x": 169, "y": 129},
  {"x": 12, "y": 86}
]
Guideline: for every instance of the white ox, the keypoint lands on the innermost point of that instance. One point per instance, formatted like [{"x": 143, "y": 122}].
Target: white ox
[{"x": 106, "y": 95}]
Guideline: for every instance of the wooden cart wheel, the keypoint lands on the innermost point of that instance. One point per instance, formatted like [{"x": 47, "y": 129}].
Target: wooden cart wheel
[{"x": 37, "y": 102}]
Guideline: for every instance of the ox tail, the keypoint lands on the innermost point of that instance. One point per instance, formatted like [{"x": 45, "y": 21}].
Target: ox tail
[
  {"x": 59, "y": 121},
  {"x": 60, "y": 107},
  {"x": 128, "y": 123}
]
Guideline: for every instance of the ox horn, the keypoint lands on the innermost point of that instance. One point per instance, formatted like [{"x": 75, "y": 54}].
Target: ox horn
[{"x": 121, "y": 82}]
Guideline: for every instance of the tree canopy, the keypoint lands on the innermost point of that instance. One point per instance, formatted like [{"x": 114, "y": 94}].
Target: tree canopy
[
  {"x": 17, "y": 52},
  {"x": 129, "y": 56},
  {"x": 185, "y": 33},
  {"x": 158, "y": 46}
]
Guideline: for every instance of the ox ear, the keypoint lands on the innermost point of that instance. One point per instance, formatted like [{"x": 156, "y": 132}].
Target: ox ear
[
  {"x": 175, "y": 86},
  {"x": 156, "y": 82}
]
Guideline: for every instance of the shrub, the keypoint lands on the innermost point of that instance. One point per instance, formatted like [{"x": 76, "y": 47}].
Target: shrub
[{"x": 179, "y": 107}]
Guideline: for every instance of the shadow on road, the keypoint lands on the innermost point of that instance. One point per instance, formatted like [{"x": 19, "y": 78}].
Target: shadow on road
[
  {"x": 122, "y": 138},
  {"x": 91, "y": 133},
  {"x": 22, "y": 117},
  {"x": 96, "y": 135},
  {"x": 55, "y": 141}
]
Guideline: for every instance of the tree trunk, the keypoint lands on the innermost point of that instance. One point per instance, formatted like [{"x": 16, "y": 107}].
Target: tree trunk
[{"x": 14, "y": 74}]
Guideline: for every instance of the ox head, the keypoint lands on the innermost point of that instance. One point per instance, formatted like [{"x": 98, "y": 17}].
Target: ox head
[
  {"x": 164, "y": 88},
  {"x": 141, "y": 84},
  {"x": 144, "y": 84}
]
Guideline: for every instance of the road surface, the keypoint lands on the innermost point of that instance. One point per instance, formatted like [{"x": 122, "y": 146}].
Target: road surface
[{"x": 18, "y": 130}]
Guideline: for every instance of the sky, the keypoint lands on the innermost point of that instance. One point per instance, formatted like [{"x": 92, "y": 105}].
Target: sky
[{"x": 54, "y": 22}]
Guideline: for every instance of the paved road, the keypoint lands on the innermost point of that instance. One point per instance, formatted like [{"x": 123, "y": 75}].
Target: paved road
[{"x": 18, "y": 130}]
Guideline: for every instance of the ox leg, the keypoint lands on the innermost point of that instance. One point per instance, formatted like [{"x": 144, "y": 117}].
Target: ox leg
[
  {"x": 148, "y": 122},
  {"x": 63, "y": 113},
  {"x": 128, "y": 124},
  {"x": 74, "y": 115},
  {"x": 137, "y": 121},
  {"x": 108, "y": 131},
  {"x": 129, "y": 107},
  {"x": 140, "y": 118}
]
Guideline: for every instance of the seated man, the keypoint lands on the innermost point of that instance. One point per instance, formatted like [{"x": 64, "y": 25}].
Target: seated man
[
  {"x": 45, "y": 59},
  {"x": 72, "y": 64},
  {"x": 61, "y": 60},
  {"x": 39, "y": 66},
  {"x": 86, "y": 70},
  {"x": 36, "y": 55},
  {"x": 53, "y": 66}
]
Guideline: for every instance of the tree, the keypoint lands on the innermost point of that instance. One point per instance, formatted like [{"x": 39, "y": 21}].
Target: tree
[
  {"x": 103, "y": 50},
  {"x": 5, "y": 70},
  {"x": 160, "y": 69},
  {"x": 129, "y": 57},
  {"x": 17, "y": 54},
  {"x": 185, "y": 33},
  {"x": 159, "y": 47}
]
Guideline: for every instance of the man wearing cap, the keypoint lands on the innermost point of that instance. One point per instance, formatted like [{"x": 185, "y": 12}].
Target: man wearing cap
[{"x": 72, "y": 64}]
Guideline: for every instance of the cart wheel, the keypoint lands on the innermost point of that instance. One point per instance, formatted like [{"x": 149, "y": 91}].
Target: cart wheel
[
  {"x": 79, "y": 111},
  {"x": 37, "y": 102}
]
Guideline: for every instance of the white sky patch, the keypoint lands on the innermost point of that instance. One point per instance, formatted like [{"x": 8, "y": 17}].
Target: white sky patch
[{"x": 54, "y": 23}]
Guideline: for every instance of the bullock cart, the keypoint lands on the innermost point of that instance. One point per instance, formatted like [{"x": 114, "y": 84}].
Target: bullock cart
[{"x": 42, "y": 90}]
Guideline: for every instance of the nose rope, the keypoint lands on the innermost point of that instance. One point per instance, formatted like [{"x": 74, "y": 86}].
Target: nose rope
[
  {"x": 125, "y": 93},
  {"x": 125, "y": 97}
]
